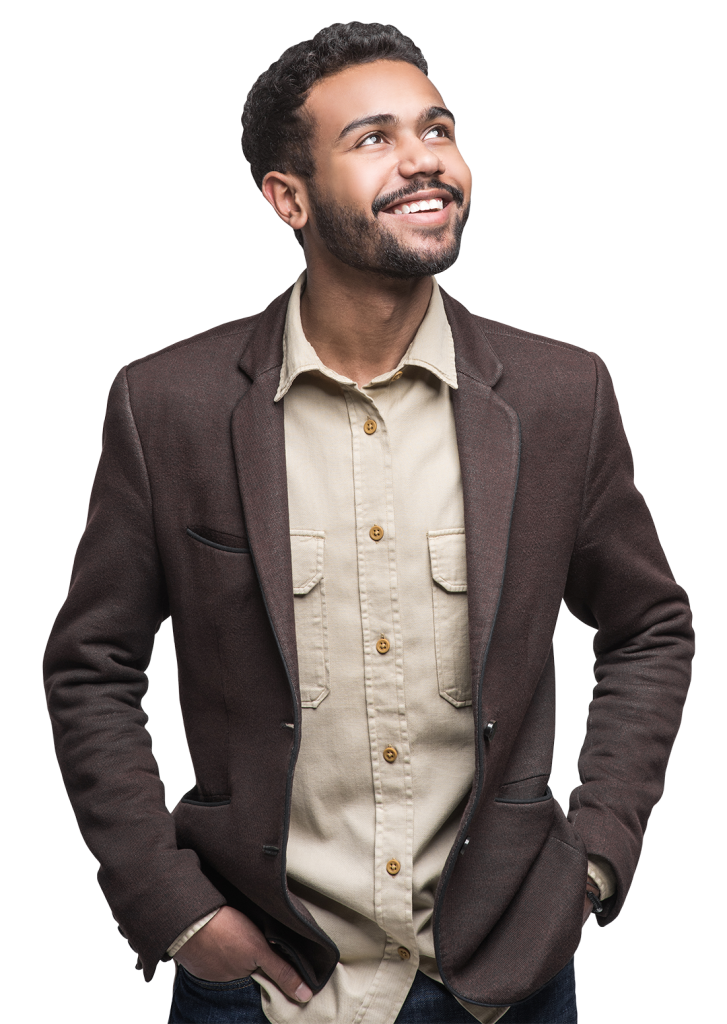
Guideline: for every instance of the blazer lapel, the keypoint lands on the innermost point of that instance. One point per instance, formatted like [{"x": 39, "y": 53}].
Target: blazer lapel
[
  {"x": 258, "y": 438},
  {"x": 488, "y": 439}
]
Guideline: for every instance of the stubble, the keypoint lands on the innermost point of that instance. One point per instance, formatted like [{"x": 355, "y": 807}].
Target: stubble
[{"x": 356, "y": 240}]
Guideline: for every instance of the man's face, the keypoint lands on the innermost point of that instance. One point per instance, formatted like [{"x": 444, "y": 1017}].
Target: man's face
[{"x": 383, "y": 140}]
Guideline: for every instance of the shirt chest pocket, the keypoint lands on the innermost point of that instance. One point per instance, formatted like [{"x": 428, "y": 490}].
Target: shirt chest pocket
[
  {"x": 311, "y": 626},
  {"x": 448, "y": 558}
]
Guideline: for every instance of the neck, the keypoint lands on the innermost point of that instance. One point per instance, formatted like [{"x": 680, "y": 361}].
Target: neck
[{"x": 359, "y": 323}]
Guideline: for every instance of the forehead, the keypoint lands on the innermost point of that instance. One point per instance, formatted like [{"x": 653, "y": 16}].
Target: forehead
[{"x": 381, "y": 87}]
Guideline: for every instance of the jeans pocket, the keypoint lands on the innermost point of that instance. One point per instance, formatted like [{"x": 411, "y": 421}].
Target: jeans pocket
[
  {"x": 217, "y": 986},
  {"x": 215, "y": 1002}
]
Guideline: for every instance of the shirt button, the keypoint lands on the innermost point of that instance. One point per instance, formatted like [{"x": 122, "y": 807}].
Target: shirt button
[
  {"x": 403, "y": 952},
  {"x": 391, "y": 754},
  {"x": 376, "y": 533},
  {"x": 393, "y": 866},
  {"x": 399, "y": 373},
  {"x": 370, "y": 427},
  {"x": 382, "y": 645}
]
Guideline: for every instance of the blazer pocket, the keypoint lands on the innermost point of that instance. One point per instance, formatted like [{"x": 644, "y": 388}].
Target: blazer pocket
[
  {"x": 311, "y": 624},
  {"x": 195, "y": 798},
  {"x": 448, "y": 558},
  {"x": 218, "y": 539},
  {"x": 513, "y": 799}
]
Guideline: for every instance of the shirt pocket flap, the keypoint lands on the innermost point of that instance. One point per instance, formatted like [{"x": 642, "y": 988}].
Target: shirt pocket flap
[
  {"x": 306, "y": 548},
  {"x": 448, "y": 557}
]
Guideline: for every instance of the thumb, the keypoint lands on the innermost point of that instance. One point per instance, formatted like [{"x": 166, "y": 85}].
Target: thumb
[{"x": 284, "y": 975}]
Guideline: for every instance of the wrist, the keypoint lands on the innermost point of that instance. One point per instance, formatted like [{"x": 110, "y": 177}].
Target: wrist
[{"x": 187, "y": 934}]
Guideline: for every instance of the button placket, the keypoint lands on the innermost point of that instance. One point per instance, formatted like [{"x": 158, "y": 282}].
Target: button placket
[{"x": 383, "y": 667}]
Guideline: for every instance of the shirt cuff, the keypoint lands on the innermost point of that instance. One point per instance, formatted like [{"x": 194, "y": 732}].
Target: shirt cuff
[
  {"x": 601, "y": 872},
  {"x": 194, "y": 928}
]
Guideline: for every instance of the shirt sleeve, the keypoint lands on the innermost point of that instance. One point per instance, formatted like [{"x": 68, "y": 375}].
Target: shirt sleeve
[
  {"x": 192, "y": 930},
  {"x": 601, "y": 872}
]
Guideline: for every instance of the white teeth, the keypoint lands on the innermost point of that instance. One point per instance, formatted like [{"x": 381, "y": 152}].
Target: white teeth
[{"x": 421, "y": 206}]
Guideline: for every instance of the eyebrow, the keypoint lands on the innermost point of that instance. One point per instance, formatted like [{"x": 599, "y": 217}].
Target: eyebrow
[{"x": 392, "y": 120}]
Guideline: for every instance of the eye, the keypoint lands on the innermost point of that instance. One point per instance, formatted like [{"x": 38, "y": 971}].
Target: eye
[
  {"x": 372, "y": 139},
  {"x": 438, "y": 131}
]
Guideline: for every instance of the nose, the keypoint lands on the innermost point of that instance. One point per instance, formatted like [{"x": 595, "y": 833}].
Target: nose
[{"x": 418, "y": 158}]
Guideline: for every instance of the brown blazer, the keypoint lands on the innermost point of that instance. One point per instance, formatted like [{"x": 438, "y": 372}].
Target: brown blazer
[{"x": 189, "y": 518}]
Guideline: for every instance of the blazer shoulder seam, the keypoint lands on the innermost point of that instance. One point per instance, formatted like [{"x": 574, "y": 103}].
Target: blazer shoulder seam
[
  {"x": 496, "y": 329},
  {"x": 502, "y": 331},
  {"x": 224, "y": 331}
]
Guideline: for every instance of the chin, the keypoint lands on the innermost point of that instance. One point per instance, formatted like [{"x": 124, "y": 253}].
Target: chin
[{"x": 408, "y": 263}]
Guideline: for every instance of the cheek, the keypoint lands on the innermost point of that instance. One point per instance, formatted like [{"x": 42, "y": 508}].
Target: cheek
[
  {"x": 357, "y": 183},
  {"x": 455, "y": 166},
  {"x": 462, "y": 174}
]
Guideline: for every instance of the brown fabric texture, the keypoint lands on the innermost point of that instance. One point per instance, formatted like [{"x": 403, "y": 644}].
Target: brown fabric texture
[{"x": 194, "y": 441}]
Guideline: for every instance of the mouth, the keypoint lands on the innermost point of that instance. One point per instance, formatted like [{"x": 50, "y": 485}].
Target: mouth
[{"x": 427, "y": 207}]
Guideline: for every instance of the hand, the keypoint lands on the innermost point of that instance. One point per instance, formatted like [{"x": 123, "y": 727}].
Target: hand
[
  {"x": 230, "y": 946},
  {"x": 587, "y": 905}
]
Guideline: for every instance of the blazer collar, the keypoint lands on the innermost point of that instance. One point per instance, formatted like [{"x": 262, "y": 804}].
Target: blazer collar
[
  {"x": 473, "y": 353},
  {"x": 264, "y": 349},
  {"x": 432, "y": 347}
]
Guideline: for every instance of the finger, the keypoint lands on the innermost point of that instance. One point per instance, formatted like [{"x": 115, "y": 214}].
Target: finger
[{"x": 285, "y": 977}]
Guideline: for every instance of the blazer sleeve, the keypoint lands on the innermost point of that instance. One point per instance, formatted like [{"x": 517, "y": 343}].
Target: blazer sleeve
[
  {"x": 620, "y": 583},
  {"x": 95, "y": 678}
]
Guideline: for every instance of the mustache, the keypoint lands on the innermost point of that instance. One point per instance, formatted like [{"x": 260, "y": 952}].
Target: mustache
[{"x": 409, "y": 190}]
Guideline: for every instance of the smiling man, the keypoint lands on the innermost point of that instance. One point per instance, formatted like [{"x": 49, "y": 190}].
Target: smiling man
[{"x": 362, "y": 509}]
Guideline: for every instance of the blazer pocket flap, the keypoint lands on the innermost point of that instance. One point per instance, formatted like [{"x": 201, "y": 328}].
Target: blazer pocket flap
[
  {"x": 306, "y": 548},
  {"x": 448, "y": 557}
]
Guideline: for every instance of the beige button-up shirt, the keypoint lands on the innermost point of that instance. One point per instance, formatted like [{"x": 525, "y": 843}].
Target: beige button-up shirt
[{"x": 380, "y": 585}]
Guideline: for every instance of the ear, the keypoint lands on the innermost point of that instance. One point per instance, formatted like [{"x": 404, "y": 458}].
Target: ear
[{"x": 287, "y": 196}]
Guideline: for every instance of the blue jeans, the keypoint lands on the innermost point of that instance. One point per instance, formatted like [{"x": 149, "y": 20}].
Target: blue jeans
[{"x": 238, "y": 1002}]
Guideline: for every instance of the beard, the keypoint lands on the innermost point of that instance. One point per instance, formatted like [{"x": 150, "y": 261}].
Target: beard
[{"x": 368, "y": 245}]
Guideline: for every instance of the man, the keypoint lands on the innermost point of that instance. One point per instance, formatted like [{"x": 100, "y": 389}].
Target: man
[{"x": 362, "y": 509}]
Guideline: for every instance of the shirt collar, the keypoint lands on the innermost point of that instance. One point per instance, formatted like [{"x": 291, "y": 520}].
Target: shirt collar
[{"x": 432, "y": 346}]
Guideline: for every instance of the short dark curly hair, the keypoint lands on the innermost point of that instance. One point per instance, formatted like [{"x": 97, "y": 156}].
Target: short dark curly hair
[{"x": 275, "y": 136}]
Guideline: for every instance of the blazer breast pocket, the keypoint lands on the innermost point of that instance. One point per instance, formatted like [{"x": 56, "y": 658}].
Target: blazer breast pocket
[
  {"x": 448, "y": 559},
  {"x": 219, "y": 540},
  {"x": 311, "y": 624}
]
